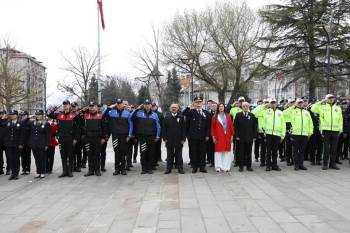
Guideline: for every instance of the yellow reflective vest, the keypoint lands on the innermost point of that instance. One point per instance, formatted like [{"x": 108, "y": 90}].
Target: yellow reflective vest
[
  {"x": 300, "y": 120},
  {"x": 331, "y": 117},
  {"x": 274, "y": 123}
]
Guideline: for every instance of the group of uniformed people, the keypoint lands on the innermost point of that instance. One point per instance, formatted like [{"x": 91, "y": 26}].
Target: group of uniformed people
[{"x": 297, "y": 130}]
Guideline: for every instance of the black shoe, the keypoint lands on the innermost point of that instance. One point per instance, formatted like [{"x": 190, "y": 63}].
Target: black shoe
[
  {"x": 8, "y": 173},
  {"x": 97, "y": 173},
  {"x": 257, "y": 160},
  {"x": 268, "y": 169},
  {"x": 335, "y": 167},
  {"x": 15, "y": 177},
  {"x": 128, "y": 168},
  {"x": 296, "y": 168},
  {"x": 240, "y": 169},
  {"x": 89, "y": 174},
  {"x": 134, "y": 161},
  {"x": 289, "y": 164},
  {"x": 168, "y": 171},
  {"x": 262, "y": 164},
  {"x": 78, "y": 169},
  {"x": 62, "y": 175},
  {"x": 150, "y": 172},
  {"x": 303, "y": 168},
  {"x": 194, "y": 170},
  {"x": 325, "y": 167},
  {"x": 203, "y": 170},
  {"x": 123, "y": 173},
  {"x": 283, "y": 160},
  {"x": 338, "y": 162},
  {"x": 115, "y": 173},
  {"x": 250, "y": 169},
  {"x": 37, "y": 177},
  {"x": 181, "y": 171},
  {"x": 2, "y": 172},
  {"x": 211, "y": 165},
  {"x": 70, "y": 174},
  {"x": 103, "y": 170},
  {"x": 276, "y": 168},
  {"x": 130, "y": 165},
  {"x": 83, "y": 166},
  {"x": 143, "y": 172}
]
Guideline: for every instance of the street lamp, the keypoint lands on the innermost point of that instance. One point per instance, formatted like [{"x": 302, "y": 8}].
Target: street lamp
[{"x": 328, "y": 29}]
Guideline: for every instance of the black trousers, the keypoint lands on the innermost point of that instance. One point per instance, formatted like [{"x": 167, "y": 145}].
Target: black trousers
[
  {"x": 158, "y": 152},
  {"x": 103, "y": 155},
  {"x": 272, "y": 144},
  {"x": 129, "y": 145},
  {"x": 26, "y": 155},
  {"x": 85, "y": 156},
  {"x": 50, "y": 158},
  {"x": 67, "y": 155},
  {"x": 147, "y": 145},
  {"x": 244, "y": 157},
  {"x": 93, "y": 149},
  {"x": 40, "y": 159},
  {"x": 197, "y": 152},
  {"x": 316, "y": 147},
  {"x": 260, "y": 148},
  {"x": 2, "y": 162},
  {"x": 299, "y": 146},
  {"x": 78, "y": 156},
  {"x": 135, "y": 148},
  {"x": 210, "y": 150},
  {"x": 235, "y": 150},
  {"x": 13, "y": 153},
  {"x": 330, "y": 147},
  {"x": 120, "y": 147},
  {"x": 343, "y": 146},
  {"x": 288, "y": 148},
  {"x": 174, "y": 152}
]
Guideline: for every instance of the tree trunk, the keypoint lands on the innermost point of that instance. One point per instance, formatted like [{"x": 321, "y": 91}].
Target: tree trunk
[{"x": 221, "y": 96}]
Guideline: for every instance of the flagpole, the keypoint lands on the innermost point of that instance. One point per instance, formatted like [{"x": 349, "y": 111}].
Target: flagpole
[{"x": 98, "y": 57}]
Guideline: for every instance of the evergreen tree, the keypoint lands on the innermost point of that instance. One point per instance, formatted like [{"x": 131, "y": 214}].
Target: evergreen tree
[
  {"x": 299, "y": 38},
  {"x": 172, "y": 90},
  {"x": 143, "y": 95}
]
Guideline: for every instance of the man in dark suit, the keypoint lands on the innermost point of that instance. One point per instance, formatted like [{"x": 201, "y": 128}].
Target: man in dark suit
[
  {"x": 174, "y": 136},
  {"x": 245, "y": 132},
  {"x": 198, "y": 133}
]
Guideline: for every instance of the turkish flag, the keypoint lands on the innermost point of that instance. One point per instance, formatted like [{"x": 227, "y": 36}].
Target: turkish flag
[{"x": 100, "y": 7}]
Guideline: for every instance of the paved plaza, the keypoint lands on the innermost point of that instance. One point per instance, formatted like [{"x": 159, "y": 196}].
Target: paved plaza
[{"x": 287, "y": 201}]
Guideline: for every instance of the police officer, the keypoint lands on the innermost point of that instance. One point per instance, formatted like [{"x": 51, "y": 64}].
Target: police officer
[
  {"x": 121, "y": 128},
  {"x": 147, "y": 130},
  {"x": 331, "y": 125},
  {"x": 274, "y": 128},
  {"x": 39, "y": 138},
  {"x": 25, "y": 153},
  {"x": 315, "y": 142},
  {"x": 344, "y": 137},
  {"x": 158, "y": 145},
  {"x": 260, "y": 142},
  {"x": 78, "y": 147},
  {"x": 237, "y": 107},
  {"x": 130, "y": 143},
  {"x": 94, "y": 135},
  {"x": 174, "y": 136},
  {"x": 2, "y": 146},
  {"x": 288, "y": 147},
  {"x": 13, "y": 140},
  {"x": 67, "y": 135},
  {"x": 301, "y": 130},
  {"x": 198, "y": 133}
]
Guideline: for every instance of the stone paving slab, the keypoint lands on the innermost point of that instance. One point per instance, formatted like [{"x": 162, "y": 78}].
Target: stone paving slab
[{"x": 286, "y": 201}]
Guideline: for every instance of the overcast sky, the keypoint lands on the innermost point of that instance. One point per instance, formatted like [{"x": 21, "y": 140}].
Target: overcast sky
[{"x": 46, "y": 29}]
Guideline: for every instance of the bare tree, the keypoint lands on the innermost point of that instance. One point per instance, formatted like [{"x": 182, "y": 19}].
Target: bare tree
[
  {"x": 219, "y": 46},
  {"x": 147, "y": 62},
  {"x": 13, "y": 83},
  {"x": 81, "y": 67}
]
